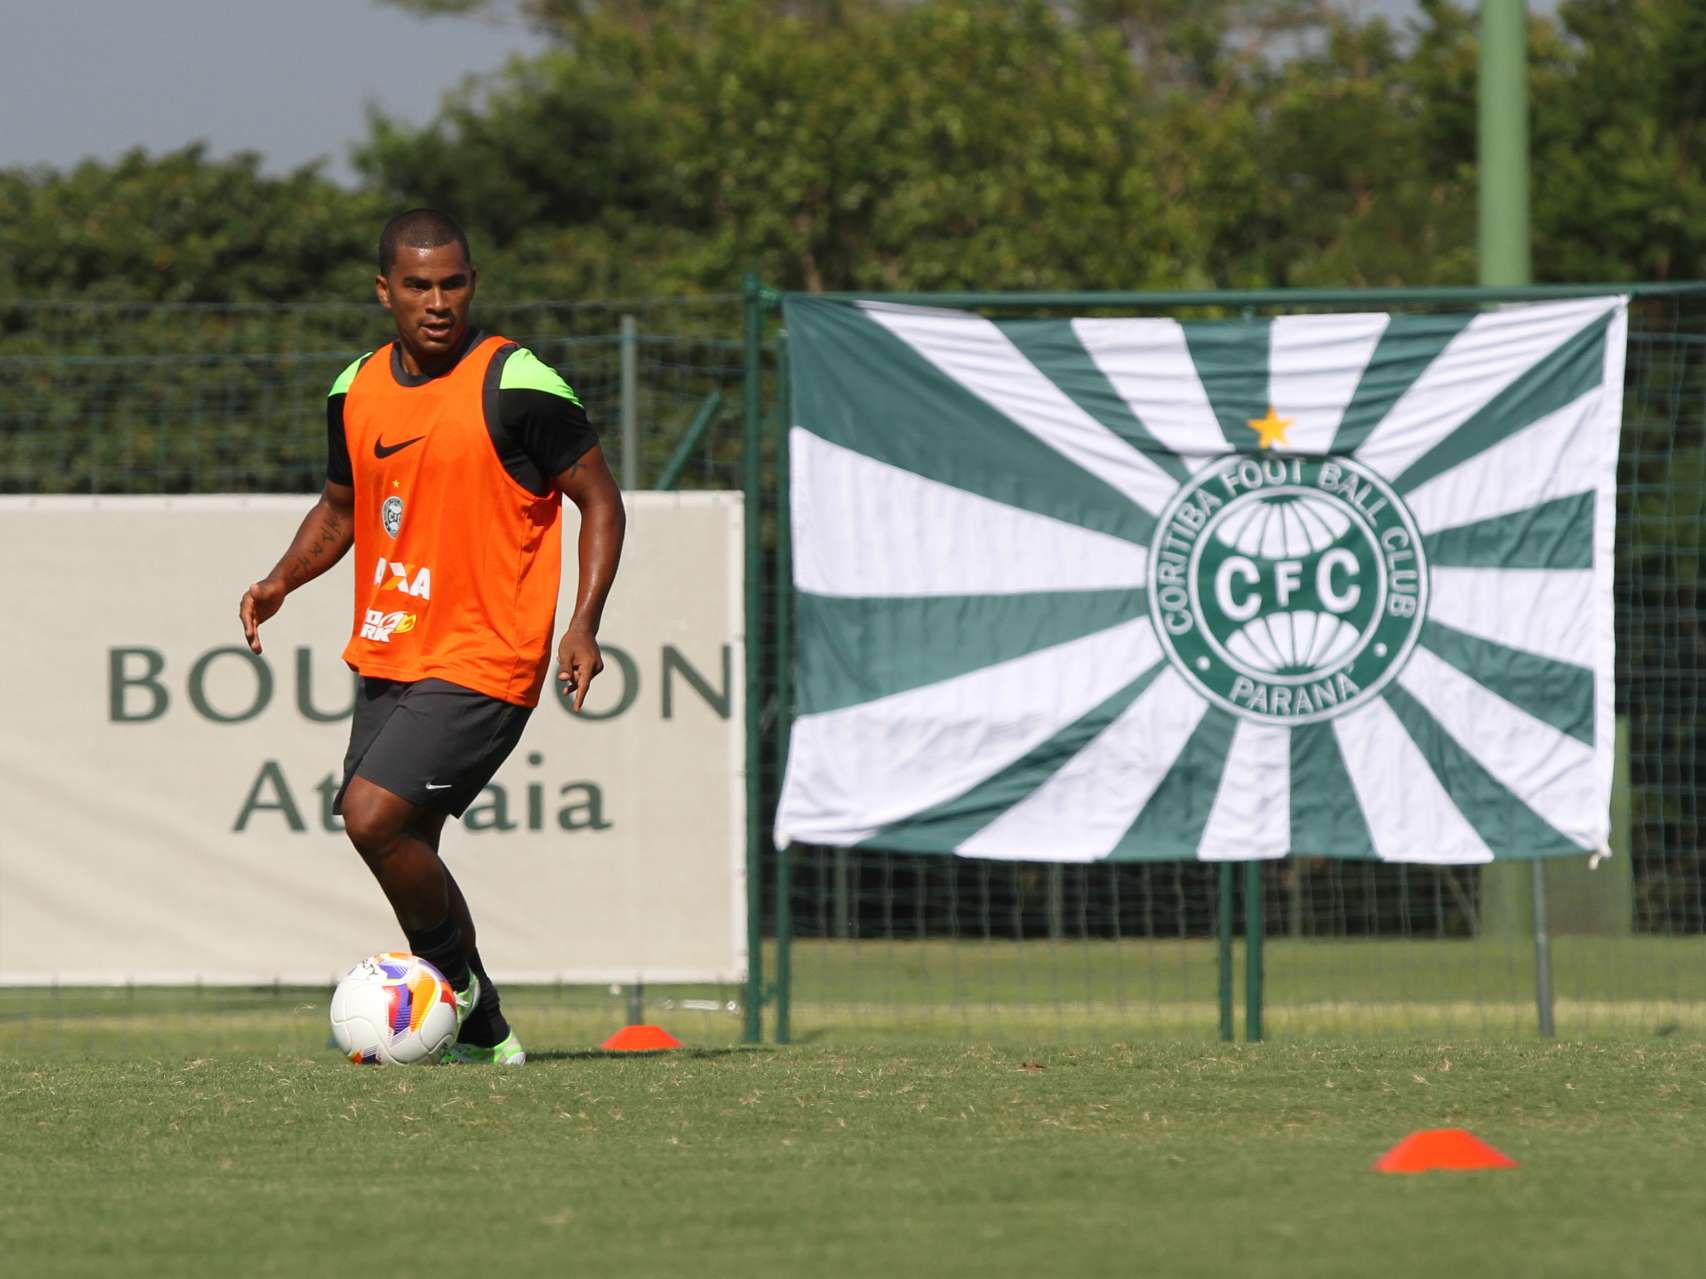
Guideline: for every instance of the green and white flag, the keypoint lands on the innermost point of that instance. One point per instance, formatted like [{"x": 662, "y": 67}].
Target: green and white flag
[{"x": 1332, "y": 585}]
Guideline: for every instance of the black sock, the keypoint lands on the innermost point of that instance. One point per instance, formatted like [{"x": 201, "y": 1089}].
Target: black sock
[
  {"x": 441, "y": 946},
  {"x": 486, "y": 1026}
]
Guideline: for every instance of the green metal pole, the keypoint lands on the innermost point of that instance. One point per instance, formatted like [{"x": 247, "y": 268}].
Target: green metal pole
[
  {"x": 752, "y": 393},
  {"x": 1255, "y": 920},
  {"x": 630, "y": 384},
  {"x": 1504, "y": 143},
  {"x": 784, "y": 948},
  {"x": 1506, "y": 260},
  {"x": 1542, "y": 954},
  {"x": 784, "y": 597},
  {"x": 1621, "y": 889},
  {"x": 1168, "y": 299},
  {"x": 1506, "y": 905},
  {"x": 1223, "y": 931},
  {"x": 689, "y": 442}
]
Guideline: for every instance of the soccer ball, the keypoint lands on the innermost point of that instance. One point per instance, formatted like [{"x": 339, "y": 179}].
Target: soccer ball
[{"x": 393, "y": 1009}]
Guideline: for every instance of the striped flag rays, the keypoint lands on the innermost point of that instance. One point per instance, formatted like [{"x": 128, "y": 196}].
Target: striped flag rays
[{"x": 1137, "y": 589}]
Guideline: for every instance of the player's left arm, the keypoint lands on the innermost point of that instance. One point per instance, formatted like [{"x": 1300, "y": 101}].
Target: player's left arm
[
  {"x": 587, "y": 483},
  {"x": 542, "y": 417}
]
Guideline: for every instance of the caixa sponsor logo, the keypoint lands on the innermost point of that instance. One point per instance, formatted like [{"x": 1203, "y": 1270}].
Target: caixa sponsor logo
[{"x": 394, "y": 575}]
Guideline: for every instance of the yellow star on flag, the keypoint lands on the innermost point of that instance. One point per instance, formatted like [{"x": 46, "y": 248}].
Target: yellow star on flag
[{"x": 1271, "y": 428}]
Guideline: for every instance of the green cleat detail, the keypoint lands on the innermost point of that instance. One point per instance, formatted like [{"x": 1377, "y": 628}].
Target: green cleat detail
[
  {"x": 508, "y": 1053},
  {"x": 466, "y": 999}
]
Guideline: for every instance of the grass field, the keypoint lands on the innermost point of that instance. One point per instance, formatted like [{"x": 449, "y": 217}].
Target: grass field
[
  {"x": 212, "y": 1132},
  {"x": 931, "y": 1160}
]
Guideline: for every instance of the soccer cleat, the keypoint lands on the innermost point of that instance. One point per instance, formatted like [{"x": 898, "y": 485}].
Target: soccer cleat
[
  {"x": 508, "y": 1053},
  {"x": 466, "y": 999}
]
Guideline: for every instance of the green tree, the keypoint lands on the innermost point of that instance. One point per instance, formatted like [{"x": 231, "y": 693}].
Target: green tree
[
  {"x": 1619, "y": 137},
  {"x": 665, "y": 145},
  {"x": 1368, "y": 145},
  {"x": 1110, "y": 143},
  {"x": 181, "y": 228},
  {"x": 869, "y": 148}
]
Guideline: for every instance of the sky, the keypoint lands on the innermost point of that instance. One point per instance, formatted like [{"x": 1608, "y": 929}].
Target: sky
[{"x": 291, "y": 79}]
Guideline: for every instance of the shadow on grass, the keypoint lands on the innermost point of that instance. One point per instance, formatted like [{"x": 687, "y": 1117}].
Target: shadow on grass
[{"x": 590, "y": 1054}]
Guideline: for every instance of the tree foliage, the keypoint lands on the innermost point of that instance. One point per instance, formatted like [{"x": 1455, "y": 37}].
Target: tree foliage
[
  {"x": 182, "y": 227},
  {"x": 656, "y": 146},
  {"x": 1620, "y": 134}
]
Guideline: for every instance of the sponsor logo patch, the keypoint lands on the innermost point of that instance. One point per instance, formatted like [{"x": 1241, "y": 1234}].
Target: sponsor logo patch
[
  {"x": 391, "y": 575},
  {"x": 380, "y": 627}
]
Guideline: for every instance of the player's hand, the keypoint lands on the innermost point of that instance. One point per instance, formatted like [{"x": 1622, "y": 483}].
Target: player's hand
[
  {"x": 260, "y": 602},
  {"x": 578, "y": 661}
]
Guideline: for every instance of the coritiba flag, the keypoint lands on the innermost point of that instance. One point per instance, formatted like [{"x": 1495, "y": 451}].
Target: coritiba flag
[{"x": 1333, "y": 585}]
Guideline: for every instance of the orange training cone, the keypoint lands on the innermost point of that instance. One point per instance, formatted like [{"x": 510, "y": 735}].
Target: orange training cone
[
  {"x": 640, "y": 1039},
  {"x": 1442, "y": 1150}
]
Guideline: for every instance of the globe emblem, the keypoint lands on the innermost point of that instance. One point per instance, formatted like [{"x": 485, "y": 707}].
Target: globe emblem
[
  {"x": 1269, "y": 532},
  {"x": 1287, "y": 589}
]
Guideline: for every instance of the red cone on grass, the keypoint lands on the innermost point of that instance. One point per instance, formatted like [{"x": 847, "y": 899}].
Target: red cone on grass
[
  {"x": 1442, "y": 1150},
  {"x": 640, "y": 1039}
]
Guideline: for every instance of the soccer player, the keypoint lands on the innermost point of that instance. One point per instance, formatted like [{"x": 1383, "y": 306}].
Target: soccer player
[{"x": 450, "y": 452}]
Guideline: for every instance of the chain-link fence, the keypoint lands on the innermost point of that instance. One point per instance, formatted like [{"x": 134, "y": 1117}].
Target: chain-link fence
[{"x": 104, "y": 399}]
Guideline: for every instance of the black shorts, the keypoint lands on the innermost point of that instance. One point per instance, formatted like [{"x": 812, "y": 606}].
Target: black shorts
[{"x": 434, "y": 743}]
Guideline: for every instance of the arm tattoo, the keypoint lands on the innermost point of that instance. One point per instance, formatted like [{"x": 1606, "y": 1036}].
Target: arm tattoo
[
  {"x": 326, "y": 542},
  {"x": 330, "y": 531}
]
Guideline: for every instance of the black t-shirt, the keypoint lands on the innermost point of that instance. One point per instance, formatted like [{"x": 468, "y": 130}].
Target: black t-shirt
[{"x": 540, "y": 427}]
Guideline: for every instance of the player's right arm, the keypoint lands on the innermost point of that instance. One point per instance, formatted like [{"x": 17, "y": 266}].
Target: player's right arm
[
  {"x": 326, "y": 533},
  {"x": 324, "y": 538}
]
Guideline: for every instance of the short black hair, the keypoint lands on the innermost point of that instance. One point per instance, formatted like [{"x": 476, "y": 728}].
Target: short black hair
[{"x": 419, "y": 229}]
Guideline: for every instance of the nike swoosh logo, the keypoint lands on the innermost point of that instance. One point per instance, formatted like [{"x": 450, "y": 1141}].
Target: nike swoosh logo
[
  {"x": 439, "y": 786},
  {"x": 382, "y": 449}
]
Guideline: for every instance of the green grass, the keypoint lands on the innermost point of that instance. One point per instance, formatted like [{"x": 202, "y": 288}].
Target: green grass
[
  {"x": 273, "y": 1157},
  {"x": 980, "y": 1109}
]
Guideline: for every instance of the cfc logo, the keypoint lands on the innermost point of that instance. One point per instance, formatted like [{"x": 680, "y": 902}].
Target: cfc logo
[
  {"x": 380, "y": 627},
  {"x": 1288, "y": 589},
  {"x": 389, "y": 575}
]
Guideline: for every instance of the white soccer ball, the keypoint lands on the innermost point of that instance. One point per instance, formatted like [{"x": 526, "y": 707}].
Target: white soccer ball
[{"x": 393, "y": 1009}]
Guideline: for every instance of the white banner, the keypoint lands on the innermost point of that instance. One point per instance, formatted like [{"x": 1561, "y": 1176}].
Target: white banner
[{"x": 165, "y": 797}]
